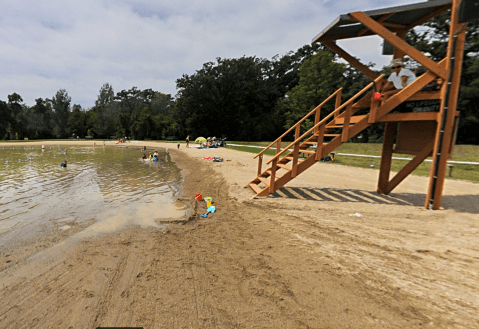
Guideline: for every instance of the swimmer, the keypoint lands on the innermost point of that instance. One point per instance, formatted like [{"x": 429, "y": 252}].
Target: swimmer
[
  {"x": 63, "y": 164},
  {"x": 144, "y": 156}
]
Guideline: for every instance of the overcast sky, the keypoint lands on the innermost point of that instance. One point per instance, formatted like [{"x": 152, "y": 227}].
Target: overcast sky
[{"x": 47, "y": 45}]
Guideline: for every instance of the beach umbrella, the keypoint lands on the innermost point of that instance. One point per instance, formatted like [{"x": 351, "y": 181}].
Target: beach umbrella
[{"x": 200, "y": 140}]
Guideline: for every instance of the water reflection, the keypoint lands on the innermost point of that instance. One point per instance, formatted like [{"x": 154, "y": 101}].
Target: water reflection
[{"x": 109, "y": 186}]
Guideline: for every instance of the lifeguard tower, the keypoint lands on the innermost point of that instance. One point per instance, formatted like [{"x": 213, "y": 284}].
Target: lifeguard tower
[{"x": 421, "y": 132}]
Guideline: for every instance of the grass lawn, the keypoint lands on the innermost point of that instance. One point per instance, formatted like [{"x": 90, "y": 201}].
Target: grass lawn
[{"x": 467, "y": 153}]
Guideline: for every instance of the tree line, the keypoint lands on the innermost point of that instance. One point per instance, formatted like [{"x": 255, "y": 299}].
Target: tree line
[{"x": 247, "y": 98}]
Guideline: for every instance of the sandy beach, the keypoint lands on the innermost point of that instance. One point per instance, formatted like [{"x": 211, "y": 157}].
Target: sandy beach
[{"x": 326, "y": 252}]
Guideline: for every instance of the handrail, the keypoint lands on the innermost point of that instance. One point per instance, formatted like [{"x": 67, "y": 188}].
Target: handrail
[
  {"x": 349, "y": 101},
  {"x": 299, "y": 122},
  {"x": 324, "y": 120}
]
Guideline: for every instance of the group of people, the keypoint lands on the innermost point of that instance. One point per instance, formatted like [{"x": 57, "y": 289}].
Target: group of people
[{"x": 150, "y": 157}]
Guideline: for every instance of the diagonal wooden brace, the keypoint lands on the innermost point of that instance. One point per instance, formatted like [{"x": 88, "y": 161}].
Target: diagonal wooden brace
[{"x": 402, "y": 45}]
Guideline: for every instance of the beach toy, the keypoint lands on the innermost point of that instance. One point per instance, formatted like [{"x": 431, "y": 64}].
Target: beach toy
[
  {"x": 377, "y": 95},
  {"x": 198, "y": 196}
]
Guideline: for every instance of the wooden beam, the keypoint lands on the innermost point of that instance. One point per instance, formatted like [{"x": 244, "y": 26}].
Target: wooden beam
[
  {"x": 399, "y": 43},
  {"x": 386, "y": 157},
  {"x": 352, "y": 60},
  {"x": 424, "y": 19},
  {"x": 409, "y": 168},
  {"x": 381, "y": 19},
  {"x": 445, "y": 130}
]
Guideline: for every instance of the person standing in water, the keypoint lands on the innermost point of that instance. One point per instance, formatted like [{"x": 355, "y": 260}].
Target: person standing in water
[
  {"x": 63, "y": 164},
  {"x": 187, "y": 141}
]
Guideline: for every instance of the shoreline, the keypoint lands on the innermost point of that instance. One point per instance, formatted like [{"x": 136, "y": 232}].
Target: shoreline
[{"x": 301, "y": 259}]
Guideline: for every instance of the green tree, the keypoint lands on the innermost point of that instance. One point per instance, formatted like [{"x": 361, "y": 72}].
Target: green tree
[
  {"x": 61, "y": 111},
  {"x": 39, "y": 120},
  {"x": 142, "y": 124},
  {"x": 17, "y": 121},
  {"x": 77, "y": 121},
  {"x": 6, "y": 121},
  {"x": 320, "y": 76},
  {"x": 104, "y": 113}
]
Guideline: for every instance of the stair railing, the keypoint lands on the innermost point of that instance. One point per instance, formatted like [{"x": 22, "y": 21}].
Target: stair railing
[
  {"x": 297, "y": 127},
  {"x": 318, "y": 126}
]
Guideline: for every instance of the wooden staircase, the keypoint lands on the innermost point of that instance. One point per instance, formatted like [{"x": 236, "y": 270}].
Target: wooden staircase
[{"x": 329, "y": 133}]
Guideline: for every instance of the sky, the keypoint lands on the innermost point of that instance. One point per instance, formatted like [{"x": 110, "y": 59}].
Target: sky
[{"x": 47, "y": 45}]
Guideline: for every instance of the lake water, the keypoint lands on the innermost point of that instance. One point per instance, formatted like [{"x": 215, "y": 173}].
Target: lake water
[{"x": 103, "y": 189}]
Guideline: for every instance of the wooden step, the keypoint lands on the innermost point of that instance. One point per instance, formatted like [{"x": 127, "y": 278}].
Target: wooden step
[
  {"x": 312, "y": 143},
  {"x": 307, "y": 152},
  {"x": 353, "y": 119},
  {"x": 284, "y": 166},
  {"x": 291, "y": 158},
  {"x": 255, "y": 188},
  {"x": 269, "y": 173},
  {"x": 264, "y": 180},
  {"x": 331, "y": 135}
]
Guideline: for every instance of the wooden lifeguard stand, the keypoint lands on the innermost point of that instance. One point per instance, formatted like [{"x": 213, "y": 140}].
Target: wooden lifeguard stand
[{"x": 421, "y": 132}]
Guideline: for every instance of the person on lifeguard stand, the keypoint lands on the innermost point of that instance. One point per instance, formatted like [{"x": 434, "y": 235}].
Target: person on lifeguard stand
[{"x": 400, "y": 76}]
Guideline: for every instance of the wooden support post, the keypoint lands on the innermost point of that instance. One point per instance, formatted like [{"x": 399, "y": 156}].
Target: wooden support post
[
  {"x": 320, "y": 140},
  {"x": 317, "y": 116},
  {"x": 409, "y": 168},
  {"x": 386, "y": 156},
  {"x": 445, "y": 130},
  {"x": 260, "y": 163},
  {"x": 373, "y": 110},
  {"x": 347, "y": 119},
  {"x": 398, "y": 53},
  {"x": 338, "y": 99},
  {"x": 273, "y": 176},
  {"x": 296, "y": 151}
]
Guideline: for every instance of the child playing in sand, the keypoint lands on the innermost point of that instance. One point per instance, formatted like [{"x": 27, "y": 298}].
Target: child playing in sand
[{"x": 211, "y": 209}]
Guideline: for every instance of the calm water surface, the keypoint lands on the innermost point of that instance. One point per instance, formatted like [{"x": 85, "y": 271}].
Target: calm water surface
[{"x": 107, "y": 187}]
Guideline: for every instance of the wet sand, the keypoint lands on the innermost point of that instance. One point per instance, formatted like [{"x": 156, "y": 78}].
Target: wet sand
[{"x": 299, "y": 260}]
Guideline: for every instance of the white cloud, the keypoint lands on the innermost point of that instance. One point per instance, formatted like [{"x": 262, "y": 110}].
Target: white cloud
[{"x": 80, "y": 45}]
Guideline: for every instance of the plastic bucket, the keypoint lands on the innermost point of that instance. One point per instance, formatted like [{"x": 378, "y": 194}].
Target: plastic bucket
[{"x": 198, "y": 196}]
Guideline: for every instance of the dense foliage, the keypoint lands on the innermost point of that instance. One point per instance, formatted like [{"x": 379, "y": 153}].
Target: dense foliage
[{"x": 245, "y": 98}]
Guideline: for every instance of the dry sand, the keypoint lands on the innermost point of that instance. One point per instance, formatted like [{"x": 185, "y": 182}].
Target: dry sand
[{"x": 298, "y": 260}]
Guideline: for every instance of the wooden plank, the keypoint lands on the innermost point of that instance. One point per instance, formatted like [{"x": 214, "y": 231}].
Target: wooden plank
[
  {"x": 288, "y": 168},
  {"x": 397, "y": 42},
  {"x": 291, "y": 158},
  {"x": 255, "y": 188},
  {"x": 353, "y": 119},
  {"x": 269, "y": 173},
  {"x": 423, "y": 95},
  {"x": 420, "y": 116},
  {"x": 264, "y": 180}
]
